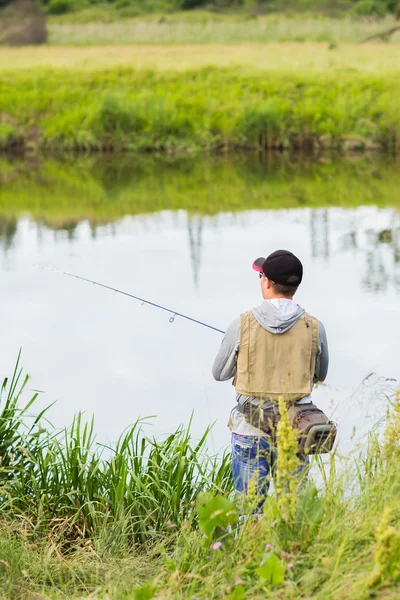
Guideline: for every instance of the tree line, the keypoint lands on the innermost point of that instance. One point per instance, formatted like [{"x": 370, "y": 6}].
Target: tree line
[{"x": 137, "y": 7}]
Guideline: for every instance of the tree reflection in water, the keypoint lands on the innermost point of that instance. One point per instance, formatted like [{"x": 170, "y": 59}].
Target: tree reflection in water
[
  {"x": 8, "y": 231},
  {"x": 381, "y": 248}
]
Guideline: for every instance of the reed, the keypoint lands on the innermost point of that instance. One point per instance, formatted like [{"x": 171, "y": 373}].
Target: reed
[{"x": 65, "y": 482}]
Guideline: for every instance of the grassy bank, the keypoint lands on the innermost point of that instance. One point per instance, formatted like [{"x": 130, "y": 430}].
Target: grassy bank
[
  {"x": 210, "y": 109},
  {"x": 80, "y": 521},
  {"x": 61, "y": 194},
  {"x": 65, "y": 481},
  {"x": 204, "y": 28}
]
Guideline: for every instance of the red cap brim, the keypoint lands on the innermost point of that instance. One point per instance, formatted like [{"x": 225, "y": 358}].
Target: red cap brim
[{"x": 258, "y": 264}]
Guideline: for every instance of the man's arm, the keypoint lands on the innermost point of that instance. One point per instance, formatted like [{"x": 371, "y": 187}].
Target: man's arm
[
  {"x": 322, "y": 362},
  {"x": 224, "y": 366}
]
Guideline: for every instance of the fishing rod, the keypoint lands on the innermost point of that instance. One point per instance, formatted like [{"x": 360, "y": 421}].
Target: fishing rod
[{"x": 142, "y": 300}]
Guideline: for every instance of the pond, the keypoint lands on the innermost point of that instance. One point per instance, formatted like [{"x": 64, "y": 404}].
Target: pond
[{"x": 183, "y": 233}]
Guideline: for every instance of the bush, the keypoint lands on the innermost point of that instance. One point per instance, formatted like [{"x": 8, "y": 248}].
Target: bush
[
  {"x": 60, "y": 7},
  {"x": 186, "y": 4},
  {"x": 368, "y": 8}
]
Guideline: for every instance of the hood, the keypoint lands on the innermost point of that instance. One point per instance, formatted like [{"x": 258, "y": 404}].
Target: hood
[{"x": 278, "y": 315}]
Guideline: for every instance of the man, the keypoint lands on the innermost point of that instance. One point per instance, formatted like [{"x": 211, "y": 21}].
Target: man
[{"x": 274, "y": 350}]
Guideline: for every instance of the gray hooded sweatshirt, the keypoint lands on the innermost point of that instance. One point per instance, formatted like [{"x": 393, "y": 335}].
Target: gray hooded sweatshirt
[{"x": 277, "y": 316}]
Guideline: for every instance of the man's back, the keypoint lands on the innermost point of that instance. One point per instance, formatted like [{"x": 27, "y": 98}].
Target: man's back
[
  {"x": 270, "y": 366},
  {"x": 274, "y": 350}
]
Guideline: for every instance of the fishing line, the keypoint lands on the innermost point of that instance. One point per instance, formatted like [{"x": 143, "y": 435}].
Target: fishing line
[{"x": 174, "y": 313}]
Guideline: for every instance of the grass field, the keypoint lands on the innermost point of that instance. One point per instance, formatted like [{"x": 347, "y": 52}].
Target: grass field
[
  {"x": 209, "y": 108},
  {"x": 294, "y": 58},
  {"x": 109, "y": 13},
  {"x": 200, "y": 27},
  {"x": 132, "y": 522},
  {"x": 176, "y": 97}
]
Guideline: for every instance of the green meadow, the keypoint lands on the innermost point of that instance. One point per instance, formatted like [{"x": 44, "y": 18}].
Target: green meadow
[
  {"x": 106, "y": 26},
  {"x": 205, "y": 109}
]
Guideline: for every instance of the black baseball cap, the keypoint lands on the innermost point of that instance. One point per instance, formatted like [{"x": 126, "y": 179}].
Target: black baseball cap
[{"x": 280, "y": 267}]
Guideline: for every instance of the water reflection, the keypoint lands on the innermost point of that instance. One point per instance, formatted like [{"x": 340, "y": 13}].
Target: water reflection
[
  {"x": 8, "y": 231},
  {"x": 319, "y": 232},
  {"x": 195, "y": 228},
  {"x": 103, "y": 189},
  {"x": 381, "y": 247},
  {"x": 383, "y": 258},
  {"x": 331, "y": 232}
]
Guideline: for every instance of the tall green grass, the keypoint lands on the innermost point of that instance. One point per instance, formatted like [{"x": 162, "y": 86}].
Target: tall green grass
[
  {"x": 211, "y": 109},
  {"x": 65, "y": 482},
  {"x": 152, "y": 519}
]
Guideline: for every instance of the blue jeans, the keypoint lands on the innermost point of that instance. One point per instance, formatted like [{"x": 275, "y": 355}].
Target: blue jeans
[{"x": 252, "y": 460}]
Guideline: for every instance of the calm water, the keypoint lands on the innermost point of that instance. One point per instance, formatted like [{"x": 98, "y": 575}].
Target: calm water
[{"x": 93, "y": 350}]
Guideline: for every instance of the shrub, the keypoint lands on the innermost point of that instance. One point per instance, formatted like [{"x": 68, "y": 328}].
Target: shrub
[
  {"x": 367, "y": 8},
  {"x": 122, "y": 3},
  {"x": 186, "y": 4},
  {"x": 60, "y": 7}
]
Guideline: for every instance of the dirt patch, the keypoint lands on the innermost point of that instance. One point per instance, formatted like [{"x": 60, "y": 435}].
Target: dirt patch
[{"x": 6, "y": 119}]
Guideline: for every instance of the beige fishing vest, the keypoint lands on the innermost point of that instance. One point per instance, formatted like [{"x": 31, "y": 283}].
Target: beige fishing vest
[{"x": 272, "y": 365}]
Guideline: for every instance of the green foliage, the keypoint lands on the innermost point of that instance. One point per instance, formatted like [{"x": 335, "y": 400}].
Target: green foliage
[
  {"x": 9, "y": 136},
  {"x": 65, "y": 521},
  {"x": 34, "y": 562},
  {"x": 145, "y": 592},
  {"x": 245, "y": 8},
  {"x": 272, "y": 569},
  {"x": 337, "y": 544},
  {"x": 249, "y": 7},
  {"x": 60, "y": 7},
  {"x": 124, "y": 109},
  {"x": 287, "y": 486},
  {"x": 60, "y": 479},
  {"x": 367, "y": 8},
  {"x": 185, "y": 4},
  {"x": 15, "y": 436},
  {"x": 387, "y": 550},
  {"x": 216, "y": 515}
]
